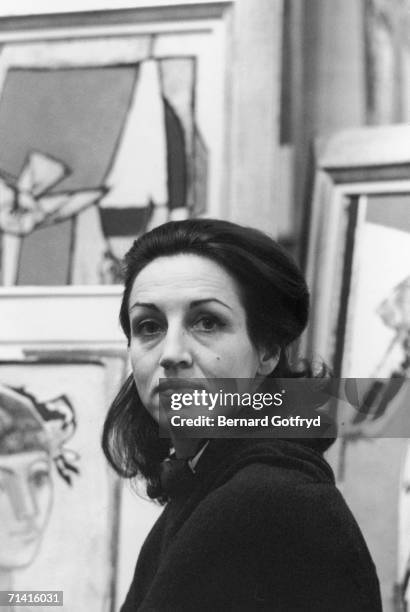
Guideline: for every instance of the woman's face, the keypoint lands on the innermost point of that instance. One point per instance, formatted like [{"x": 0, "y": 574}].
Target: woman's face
[
  {"x": 187, "y": 321},
  {"x": 25, "y": 502}
]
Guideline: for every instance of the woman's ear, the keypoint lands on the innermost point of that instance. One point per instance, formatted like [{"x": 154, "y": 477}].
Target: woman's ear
[{"x": 268, "y": 360}]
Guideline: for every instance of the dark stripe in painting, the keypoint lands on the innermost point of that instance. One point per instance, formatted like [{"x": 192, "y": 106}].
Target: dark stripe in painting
[
  {"x": 176, "y": 158},
  {"x": 125, "y": 221}
]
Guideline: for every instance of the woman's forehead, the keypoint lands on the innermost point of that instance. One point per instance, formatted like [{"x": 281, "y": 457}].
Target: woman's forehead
[{"x": 183, "y": 276}]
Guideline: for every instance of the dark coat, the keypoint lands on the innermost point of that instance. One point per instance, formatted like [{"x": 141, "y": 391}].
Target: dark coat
[{"x": 263, "y": 527}]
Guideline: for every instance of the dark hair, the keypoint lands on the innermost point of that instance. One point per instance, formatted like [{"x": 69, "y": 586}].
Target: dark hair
[{"x": 276, "y": 301}]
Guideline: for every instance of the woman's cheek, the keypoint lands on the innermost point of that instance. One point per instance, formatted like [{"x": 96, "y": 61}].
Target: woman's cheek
[{"x": 137, "y": 355}]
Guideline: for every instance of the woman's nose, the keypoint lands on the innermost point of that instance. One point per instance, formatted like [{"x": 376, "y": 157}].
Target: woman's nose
[{"x": 175, "y": 350}]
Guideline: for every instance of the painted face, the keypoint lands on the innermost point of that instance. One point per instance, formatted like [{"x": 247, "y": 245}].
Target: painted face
[
  {"x": 187, "y": 321},
  {"x": 25, "y": 502}
]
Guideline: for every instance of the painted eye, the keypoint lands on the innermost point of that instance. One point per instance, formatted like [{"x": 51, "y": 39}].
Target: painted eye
[{"x": 40, "y": 478}]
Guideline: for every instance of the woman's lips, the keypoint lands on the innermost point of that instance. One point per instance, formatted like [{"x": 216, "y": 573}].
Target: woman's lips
[
  {"x": 179, "y": 386},
  {"x": 180, "y": 390}
]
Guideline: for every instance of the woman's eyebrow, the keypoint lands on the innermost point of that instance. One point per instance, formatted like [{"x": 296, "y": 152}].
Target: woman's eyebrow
[
  {"x": 204, "y": 300},
  {"x": 192, "y": 304},
  {"x": 144, "y": 305}
]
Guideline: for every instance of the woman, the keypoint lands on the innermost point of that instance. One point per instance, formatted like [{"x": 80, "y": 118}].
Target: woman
[{"x": 250, "y": 524}]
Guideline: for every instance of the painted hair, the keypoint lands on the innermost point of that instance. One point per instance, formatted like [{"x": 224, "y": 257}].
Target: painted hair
[
  {"x": 29, "y": 425},
  {"x": 21, "y": 428},
  {"x": 274, "y": 295}
]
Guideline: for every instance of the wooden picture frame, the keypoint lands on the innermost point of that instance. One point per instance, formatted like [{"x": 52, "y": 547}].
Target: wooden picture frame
[
  {"x": 349, "y": 166},
  {"x": 357, "y": 261},
  {"x": 235, "y": 48}
]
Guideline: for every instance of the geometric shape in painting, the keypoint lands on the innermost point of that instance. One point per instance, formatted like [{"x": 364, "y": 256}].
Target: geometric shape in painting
[
  {"x": 137, "y": 177},
  {"x": 27, "y": 203},
  {"x": 178, "y": 84},
  {"x": 200, "y": 172},
  {"x": 122, "y": 136},
  {"x": 389, "y": 210},
  {"x": 45, "y": 255},
  {"x": 137, "y": 173},
  {"x": 176, "y": 159},
  {"x": 71, "y": 114},
  {"x": 125, "y": 221}
]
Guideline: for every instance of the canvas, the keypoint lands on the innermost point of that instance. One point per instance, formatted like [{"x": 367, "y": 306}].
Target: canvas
[
  {"x": 103, "y": 136},
  {"x": 59, "y": 504}
]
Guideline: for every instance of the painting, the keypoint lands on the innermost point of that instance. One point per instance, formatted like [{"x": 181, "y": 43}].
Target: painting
[
  {"x": 105, "y": 132},
  {"x": 376, "y": 345},
  {"x": 30, "y": 440},
  {"x": 358, "y": 266},
  {"x": 58, "y": 503}
]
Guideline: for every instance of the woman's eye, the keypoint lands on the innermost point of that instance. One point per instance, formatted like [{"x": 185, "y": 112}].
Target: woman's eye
[
  {"x": 207, "y": 323},
  {"x": 147, "y": 328}
]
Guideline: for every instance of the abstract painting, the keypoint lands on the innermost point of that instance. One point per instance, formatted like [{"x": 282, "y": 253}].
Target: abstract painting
[{"x": 100, "y": 140}]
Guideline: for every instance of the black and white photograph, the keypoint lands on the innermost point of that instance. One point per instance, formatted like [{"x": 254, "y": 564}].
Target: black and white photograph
[{"x": 205, "y": 305}]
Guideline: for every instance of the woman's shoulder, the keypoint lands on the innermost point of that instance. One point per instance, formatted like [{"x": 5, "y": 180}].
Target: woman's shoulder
[
  {"x": 272, "y": 471},
  {"x": 269, "y": 502},
  {"x": 269, "y": 530},
  {"x": 273, "y": 486},
  {"x": 290, "y": 532},
  {"x": 281, "y": 509},
  {"x": 271, "y": 489}
]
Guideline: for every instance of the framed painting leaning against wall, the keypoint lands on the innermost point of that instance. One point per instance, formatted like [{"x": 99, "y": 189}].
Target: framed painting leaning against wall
[
  {"x": 357, "y": 260},
  {"x": 59, "y": 504},
  {"x": 110, "y": 124}
]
